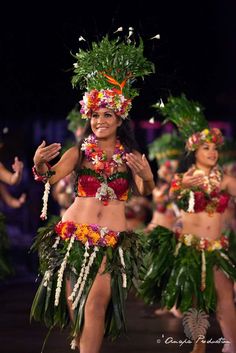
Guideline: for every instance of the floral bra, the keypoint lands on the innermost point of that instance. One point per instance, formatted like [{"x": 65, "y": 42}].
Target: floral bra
[
  {"x": 197, "y": 199},
  {"x": 89, "y": 183}
]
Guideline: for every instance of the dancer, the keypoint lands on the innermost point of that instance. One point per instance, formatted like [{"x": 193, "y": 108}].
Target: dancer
[
  {"x": 63, "y": 191},
  {"x": 166, "y": 149},
  {"x": 193, "y": 268},
  {"x": 89, "y": 259},
  {"x": 9, "y": 178}
]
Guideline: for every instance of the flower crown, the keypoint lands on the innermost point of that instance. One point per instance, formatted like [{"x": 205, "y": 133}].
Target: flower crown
[
  {"x": 105, "y": 98},
  {"x": 213, "y": 135},
  {"x": 188, "y": 116},
  {"x": 107, "y": 72}
]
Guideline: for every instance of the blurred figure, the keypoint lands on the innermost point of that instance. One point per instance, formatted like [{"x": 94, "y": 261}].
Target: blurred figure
[
  {"x": 138, "y": 212},
  {"x": 10, "y": 178},
  {"x": 166, "y": 149},
  {"x": 63, "y": 191}
]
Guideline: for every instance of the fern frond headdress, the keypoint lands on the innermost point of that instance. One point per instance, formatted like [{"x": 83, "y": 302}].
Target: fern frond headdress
[
  {"x": 166, "y": 147},
  {"x": 191, "y": 122},
  {"x": 75, "y": 120},
  {"x": 107, "y": 73}
]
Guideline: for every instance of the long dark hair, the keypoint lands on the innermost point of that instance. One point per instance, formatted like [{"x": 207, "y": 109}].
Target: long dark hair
[{"x": 186, "y": 161}]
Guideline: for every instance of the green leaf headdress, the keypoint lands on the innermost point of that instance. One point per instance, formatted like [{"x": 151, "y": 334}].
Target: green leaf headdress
[
  {"x": 107, "y": 73},
  {"x": 166, "y": 147},
  {"x": 75, "y": 120},
  {"x": 191, "y": 122}
]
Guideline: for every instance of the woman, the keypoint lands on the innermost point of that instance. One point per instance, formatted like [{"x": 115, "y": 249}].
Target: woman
[
  {"x": 193, "y": 268},
  {"x": 9, "y": 178},
  {"x": 89, "y": 258}
]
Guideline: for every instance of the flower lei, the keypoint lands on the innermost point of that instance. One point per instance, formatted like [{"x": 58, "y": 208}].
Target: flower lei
[
  {"x": 207, "y": 198},
  {"x": 213, "y": 135},
  {"x": 98, "y": 158}
]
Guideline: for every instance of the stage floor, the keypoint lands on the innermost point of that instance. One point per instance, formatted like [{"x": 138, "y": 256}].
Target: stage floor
[{"x": 146, "y": 332}]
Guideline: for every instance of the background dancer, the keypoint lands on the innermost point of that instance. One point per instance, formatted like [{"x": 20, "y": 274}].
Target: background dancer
[{"x": 197, "y": 271}]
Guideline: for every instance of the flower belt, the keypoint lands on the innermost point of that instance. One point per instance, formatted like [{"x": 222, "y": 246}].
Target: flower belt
[
  {"x": 202, "y": 244},
  {"x": 92, "y": 234}
]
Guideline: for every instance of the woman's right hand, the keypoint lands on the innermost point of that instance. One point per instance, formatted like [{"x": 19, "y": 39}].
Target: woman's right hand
[
  {"x": 190, "y": 180},
  {"x": 44, "y": 154}
]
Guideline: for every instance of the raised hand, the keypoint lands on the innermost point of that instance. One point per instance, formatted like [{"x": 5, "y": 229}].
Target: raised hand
[
  {"x": 139, "y": 166},
  {"x": 44, "y": 154},
  {"x": 189, "y": 179},
  {"x": 17, "y": 166}
]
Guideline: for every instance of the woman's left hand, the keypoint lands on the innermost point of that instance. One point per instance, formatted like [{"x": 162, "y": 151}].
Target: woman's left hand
[{"x": 139, "y": 165}]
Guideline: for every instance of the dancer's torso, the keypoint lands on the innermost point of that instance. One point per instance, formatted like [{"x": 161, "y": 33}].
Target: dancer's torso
[
  {"x": 204, "y": 224},
  {"x": 86, "y": 208}
]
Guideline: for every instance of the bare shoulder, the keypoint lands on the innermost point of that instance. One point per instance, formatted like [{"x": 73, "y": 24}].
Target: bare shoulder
[
  {"x": 70, "y": 156},
  {"x": 227, "y": 179}
]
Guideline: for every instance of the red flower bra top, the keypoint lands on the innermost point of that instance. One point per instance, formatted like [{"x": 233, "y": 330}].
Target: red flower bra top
[{"x": 89, "y": 183}]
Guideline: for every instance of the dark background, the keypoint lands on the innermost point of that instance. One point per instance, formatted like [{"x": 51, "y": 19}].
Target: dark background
[{"x": 196, "y": 53}]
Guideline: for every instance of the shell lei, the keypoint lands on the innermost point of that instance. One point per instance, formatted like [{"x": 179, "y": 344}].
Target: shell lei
[{"x": 46, "y": 193}]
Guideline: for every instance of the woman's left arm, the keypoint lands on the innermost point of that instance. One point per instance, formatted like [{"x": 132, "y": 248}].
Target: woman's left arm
[
  {"x": 141, "y": 171},
  {"x": 229, "y": 183}
]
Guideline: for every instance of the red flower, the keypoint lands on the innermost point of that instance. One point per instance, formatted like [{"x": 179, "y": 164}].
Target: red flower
[
  {"x": 222, "y": 203},
  {"x": 224, "y": 242},
  {"x": 200, "y": 201}
]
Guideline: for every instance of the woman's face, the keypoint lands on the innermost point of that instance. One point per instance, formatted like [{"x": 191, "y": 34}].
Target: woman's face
[
  {"x": 207, "y": 154},
  {"x": 104, "y": 123}
]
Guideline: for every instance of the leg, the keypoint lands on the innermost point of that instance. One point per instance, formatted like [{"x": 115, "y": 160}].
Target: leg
[
  {"x": 95, "y": 310},
  {"x": 225, "y": 312}
]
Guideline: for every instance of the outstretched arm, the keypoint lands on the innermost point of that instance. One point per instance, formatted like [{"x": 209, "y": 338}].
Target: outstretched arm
[
  {"x": 12, "y": 178},
  {"x": 9, "y": 199},
  {"x": 141, "y": 171},
  {"x": 229, "y": 183},
  {"x": 63, "y": 167}
]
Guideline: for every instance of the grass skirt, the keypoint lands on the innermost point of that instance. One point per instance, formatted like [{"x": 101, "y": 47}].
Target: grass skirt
[
  {"x": 174, "y": 272},
  {"x": 5, "y": 266},
  {"x": 52, "y": 252}
]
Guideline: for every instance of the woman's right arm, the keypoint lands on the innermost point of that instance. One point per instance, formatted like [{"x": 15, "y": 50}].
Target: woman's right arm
[{"x": 63, "y": 167}]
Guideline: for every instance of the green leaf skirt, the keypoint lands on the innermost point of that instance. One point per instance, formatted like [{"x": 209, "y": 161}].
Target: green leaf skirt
[
  {"x": 175, "y": 277},
  {"x": 52, "y": 251},
  {"x": 5, "y": 266}
]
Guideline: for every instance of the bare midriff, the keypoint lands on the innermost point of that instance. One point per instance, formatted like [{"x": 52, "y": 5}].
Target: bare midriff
[
  {"x": 90, "y": 210},
  {"x": 166, "y": 219},
  {"x": 202, "y": 224}
]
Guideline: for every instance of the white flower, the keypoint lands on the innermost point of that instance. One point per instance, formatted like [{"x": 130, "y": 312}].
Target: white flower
[
  {"x": 122, "y": 260},
  {"x": 117, "y": 158},
  {"x": 73, "y": 344},
  {"x": 55, "y": 245},
  {"x": 45, "y": 200},
  {"x": 46, "y": 278},
  {"x": 85, "y": 275},
  {"x": 61, "y": 271},
  {"x": 188, "y": 238},
  {"x": 191, "y": 202},
  {"x": 103, "y": 191}
]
